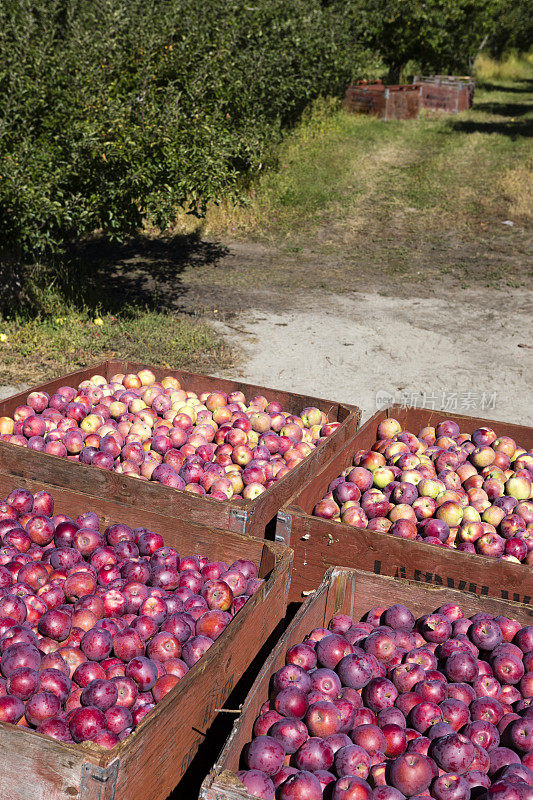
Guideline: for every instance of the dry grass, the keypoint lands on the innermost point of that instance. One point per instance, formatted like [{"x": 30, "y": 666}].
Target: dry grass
[
  {"x": 516, "y": 67},
  {"x": 517, "y": 187}
]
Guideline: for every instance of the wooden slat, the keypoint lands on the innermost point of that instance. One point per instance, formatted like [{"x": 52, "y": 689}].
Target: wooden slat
[
  {"x": 446, "y": 92},
  {"x": 38, "y": 768},
  {"x": 386, "y": 102}
]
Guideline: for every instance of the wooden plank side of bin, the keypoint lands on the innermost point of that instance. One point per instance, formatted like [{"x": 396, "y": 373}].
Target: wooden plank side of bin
[
  {"x": 319, "y": 544},
  {"x": 248, "y": 517},
  {"x": 344, "y": 591},
  {"x": 156, "y": 755},
  {"x": 446, "y": 96},
  {"x": 446, "y": 92},
  {"x": 466, "y": 97},
  {"x": 386, "y": 102},
  {"x": 365, "y": 99},
  {"x": 402, "y": 102},
  {"x": 440, "y": 97}
]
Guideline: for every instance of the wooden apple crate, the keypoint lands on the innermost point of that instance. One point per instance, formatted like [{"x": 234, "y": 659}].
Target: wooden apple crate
[
  {"x": 150, "y": 762},
  {"x": 319, "y": 543},
  {"x": 446, "y": 92},
  {"x": 385, "y": 102},
  {"x": 249, "y": 517},
  {"x": 345, "y": 591}
]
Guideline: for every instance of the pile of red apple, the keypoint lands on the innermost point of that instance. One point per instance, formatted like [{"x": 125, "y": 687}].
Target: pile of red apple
[
  {"x": 213, "y": 443},
  {"x": 97, "y": 627},
  {"x": 442, "y": 487},
  {"x": 394, "y": 708}
]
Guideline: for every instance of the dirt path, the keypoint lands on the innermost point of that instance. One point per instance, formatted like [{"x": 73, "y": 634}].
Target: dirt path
[
  {"x": 222, "y": 276},
  {"x": 461, "y": 354}
]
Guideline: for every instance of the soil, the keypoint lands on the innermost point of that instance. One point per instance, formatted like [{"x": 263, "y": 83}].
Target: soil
[
  {"x": 468, "y": 355},
  {"x": 194, "y": 275}
]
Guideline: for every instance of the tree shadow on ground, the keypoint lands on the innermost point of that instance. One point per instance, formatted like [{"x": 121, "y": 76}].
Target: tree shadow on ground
[
  {"x": 143, "y": 271},
  {"x": 498, "y": 87},
  {"x": 513, "y": 129},
  {"x": 505, "y": 109},
  {"x": 514, "y": 122}
]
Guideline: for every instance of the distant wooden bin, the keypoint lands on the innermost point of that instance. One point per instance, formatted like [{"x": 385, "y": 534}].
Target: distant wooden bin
[
  {"x": 445, "y": 92},
  {"x": 385, "y": 102}
]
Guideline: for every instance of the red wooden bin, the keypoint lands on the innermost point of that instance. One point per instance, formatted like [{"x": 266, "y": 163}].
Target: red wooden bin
[
  {"x": 445, "y": 93},
  {"x": 319, "y": 543},
  {"x": 385, "y": 102},
  {"x": 154, "y": 757},
  {"x": 345, "y": 591},
  {"x": 248, "y": 517}
]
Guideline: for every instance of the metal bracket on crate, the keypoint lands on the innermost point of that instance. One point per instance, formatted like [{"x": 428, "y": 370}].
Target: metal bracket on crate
[
  {"x": 212, "y": 793},
  {"x": 283, "y": 528},
  {"x": 222, "y": 786},
  {"x": 98, "y": 783},
  {"x": 289, "y": 576},
  {"x": 238, "y": 517}
]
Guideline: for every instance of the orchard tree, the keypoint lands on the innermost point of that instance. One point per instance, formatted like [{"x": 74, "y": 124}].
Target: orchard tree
[
  {"x": 439, "y": 35},
  {"x": 511, "y": 26}
]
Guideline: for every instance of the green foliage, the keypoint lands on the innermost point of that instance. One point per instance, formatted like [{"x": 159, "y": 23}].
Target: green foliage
[
  {"x": 118, "y": 111},
  {"x": 115, "y": 113},
  {"x": 437, "y": 35},
  {"x": 511, "y": 27}
]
